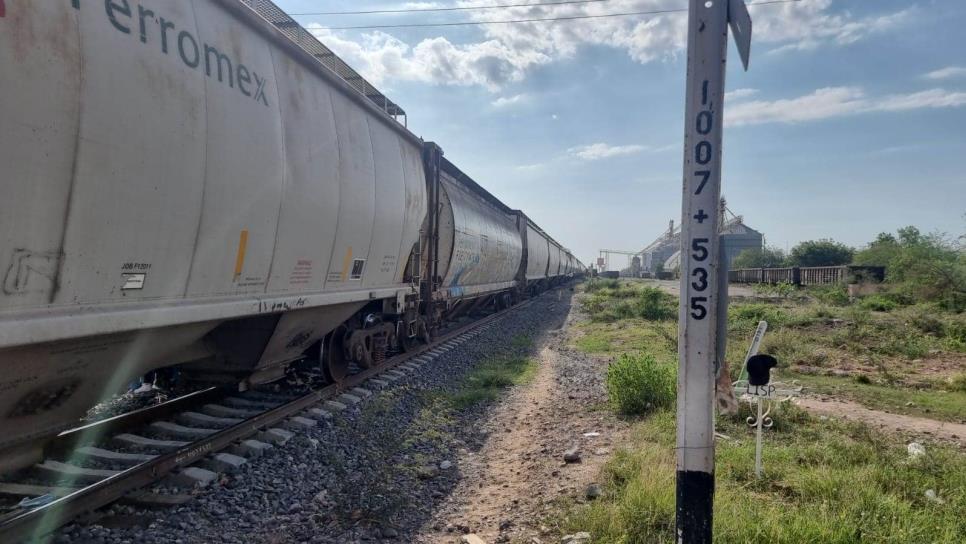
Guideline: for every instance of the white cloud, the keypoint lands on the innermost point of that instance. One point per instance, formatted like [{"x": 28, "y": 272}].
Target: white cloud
[
  {"x": 597, "y": 151},
  {"x": 831, "y": 102},
  {"x": 505, "y": 101},
  {"x": 946, "y": 73},
  {"x": 897, "y": 149},
  {"x": 808, "y": 25},
  {"x": 738, "y": 94},
  {"x": 933, "y": 98},
  {"x": 530, "y": 167},
  {"x": 506, "y": 53}
]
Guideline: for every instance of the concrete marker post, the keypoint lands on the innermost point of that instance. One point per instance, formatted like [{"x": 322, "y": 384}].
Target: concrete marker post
[{"x": 697, "y": 333}]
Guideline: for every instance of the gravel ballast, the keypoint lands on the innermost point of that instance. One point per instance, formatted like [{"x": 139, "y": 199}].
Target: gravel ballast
[{"x": 374, "y": 471}]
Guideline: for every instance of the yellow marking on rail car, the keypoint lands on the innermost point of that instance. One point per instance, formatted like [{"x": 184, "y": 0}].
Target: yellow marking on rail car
[
  {"x": 346, "y": 261},
  {"x": 240, "y": 256}
]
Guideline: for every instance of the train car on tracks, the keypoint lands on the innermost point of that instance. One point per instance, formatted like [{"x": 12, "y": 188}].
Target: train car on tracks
[{"x": 202, "y": 185}]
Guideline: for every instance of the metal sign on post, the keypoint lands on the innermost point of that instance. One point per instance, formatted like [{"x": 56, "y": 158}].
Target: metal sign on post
[
  {"x": 708, "y": 22},
  {"x": 755, "y": 385}
]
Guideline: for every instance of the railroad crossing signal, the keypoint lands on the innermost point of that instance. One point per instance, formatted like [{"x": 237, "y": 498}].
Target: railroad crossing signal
[{"x": 699, "y": 348}]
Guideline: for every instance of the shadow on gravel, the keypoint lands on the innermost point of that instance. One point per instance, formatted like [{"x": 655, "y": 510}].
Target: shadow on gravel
[
  {"x": 376, "y": 471},
  {"x": 407, "y": 440}
]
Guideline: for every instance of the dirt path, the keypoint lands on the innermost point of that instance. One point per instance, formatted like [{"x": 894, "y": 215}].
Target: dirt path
[
  {"x": 508, "y": 487},
  {"x": 913, "y": 426}
]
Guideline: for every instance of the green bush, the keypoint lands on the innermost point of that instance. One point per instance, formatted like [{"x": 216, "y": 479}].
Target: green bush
[
  {"x": 899, "y": 297},
  {"x": 637, "y": 384},
  {"x": 653, "y": 304},
  {"x": 927, "y": 322},
  {"x": 766, "y": 257},
  {"x": 833, "y": 295},
  {"x": 627, "y": 301},
  {"x": 823, "y": 252},
  {"x": 926, "y": 267},
  {"x": 822, "y": 312},
  {"x": 958, "y": 383},
  {"x": 955, "y": 330},
  {"x": 954, "y": 335},
  {"x": 782, "y": 289},
  {"x": 878, "y": 303}
]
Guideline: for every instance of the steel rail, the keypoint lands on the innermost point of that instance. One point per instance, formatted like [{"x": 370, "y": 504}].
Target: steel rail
[
  {"x": 42, "y": 520},
  {"x": 76, "y": 437}
]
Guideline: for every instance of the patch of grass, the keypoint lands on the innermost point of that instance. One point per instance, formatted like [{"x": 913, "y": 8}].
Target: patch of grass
[
  {"x": 637, "y": 384},
  {"x": 783, "y": 289},
  {"x": 833, "y": 295},
  {"x": 823, "y": 312},
  {"x": 521, "y": 342},
  {"x": 865, "y": 334},
  {"x": 823, "y": 482},
  {"x": 597, "y": 284},
  {"x": 954, "y": 335},
  {"x": 957, "y": 383},
  {"x": 790, "y": 348},
  {"x": 749, "y": 314},
  {"x": 942, "y": 404},
  {"x": 593, "y": 343},
  {"x": 616, "y": 300},
  {"x": 628, "y": 335},
  {"x": 491, "y": 377},
  {"x": 878, "y": 303}
]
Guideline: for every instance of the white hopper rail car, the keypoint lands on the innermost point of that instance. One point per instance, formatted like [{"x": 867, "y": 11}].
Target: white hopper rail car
[{"x": 183, "y": 184}]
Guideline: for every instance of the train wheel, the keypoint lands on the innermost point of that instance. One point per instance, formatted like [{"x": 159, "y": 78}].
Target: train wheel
[
  {"x": 334, "y": 364},
  {"x": 408, "y": 344}
]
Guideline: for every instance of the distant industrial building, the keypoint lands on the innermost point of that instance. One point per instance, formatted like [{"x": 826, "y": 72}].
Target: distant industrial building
[
  {"x": 737, "y": 237},
  {"x": 663, "y": 254}
]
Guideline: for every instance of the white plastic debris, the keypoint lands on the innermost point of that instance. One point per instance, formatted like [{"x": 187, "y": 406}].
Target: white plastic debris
[
  {"x": 916, "y": 450},
  {"x": 592, "y": 434},
  {"x": 931, "y": 495}
]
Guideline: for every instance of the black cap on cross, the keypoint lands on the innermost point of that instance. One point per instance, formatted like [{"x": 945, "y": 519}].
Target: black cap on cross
[{"x": 759, "y": 369}]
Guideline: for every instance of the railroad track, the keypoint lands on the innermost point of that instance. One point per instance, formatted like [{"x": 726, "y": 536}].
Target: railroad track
[{"x": 221, "y": 421}]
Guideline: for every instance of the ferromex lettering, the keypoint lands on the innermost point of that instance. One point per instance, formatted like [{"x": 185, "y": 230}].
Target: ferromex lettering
[{"x": 151, "y": 27}]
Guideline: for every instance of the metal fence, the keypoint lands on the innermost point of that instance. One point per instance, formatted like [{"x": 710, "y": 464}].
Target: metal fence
[{"x": 810, "y": 275}]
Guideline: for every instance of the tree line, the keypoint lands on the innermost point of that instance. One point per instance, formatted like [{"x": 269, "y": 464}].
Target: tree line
[{"x": 925, "y": 266}]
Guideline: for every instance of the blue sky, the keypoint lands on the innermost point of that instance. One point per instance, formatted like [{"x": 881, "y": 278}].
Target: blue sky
[{"x": 849, "y": 122}]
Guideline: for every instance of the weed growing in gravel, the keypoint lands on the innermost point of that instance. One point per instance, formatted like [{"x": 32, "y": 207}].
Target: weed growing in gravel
[
  {"x": 638, "y": 383},
  {"x": 491, "y": 377},
  {"x": 521, "y": 342}
]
